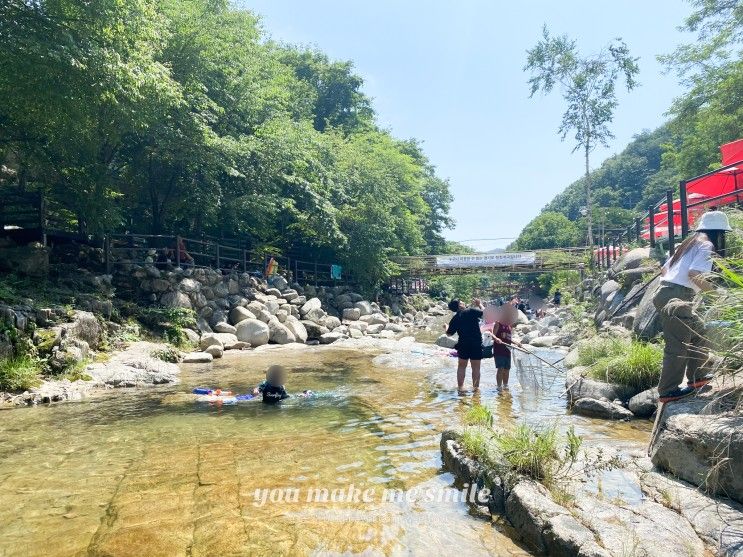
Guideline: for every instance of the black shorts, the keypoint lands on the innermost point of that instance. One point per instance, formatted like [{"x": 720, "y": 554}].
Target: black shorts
[
  {"x": 470, "y": 352},
  {"x": 502, "y": 361}
]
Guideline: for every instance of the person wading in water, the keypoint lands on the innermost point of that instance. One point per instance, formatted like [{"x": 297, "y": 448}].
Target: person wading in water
[
  {"x": 683, "y": 330},
  {"x": 466, "y": 323}
]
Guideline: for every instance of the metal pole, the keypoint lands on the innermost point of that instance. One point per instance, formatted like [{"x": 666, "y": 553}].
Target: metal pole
[
  {"x": 637, "y": 229},
  {"x": 108, "y": 254},
  {"x": 315, "y": 274},
  {"x": 671, "y": 229},
  {"x": 178, "y": 252},
  {"x": 684, "y": 209},
  {"x": 651, "y": 225},
  {"x": 614, "y": 249},
  {"x": 219, "y": 266},
  {"x": 245, "y": 261}
]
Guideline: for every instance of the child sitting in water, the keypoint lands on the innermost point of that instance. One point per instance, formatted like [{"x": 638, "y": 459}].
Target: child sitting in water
[{"x": 272, "y": 388}]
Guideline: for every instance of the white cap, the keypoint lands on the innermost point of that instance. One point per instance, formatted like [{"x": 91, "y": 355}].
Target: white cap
[{"x": 713, "y": 220}]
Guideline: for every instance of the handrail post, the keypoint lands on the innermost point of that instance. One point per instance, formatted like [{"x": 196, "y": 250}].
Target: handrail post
[
  {"x": 219, "y": 263},
  {"x": 614, "y": 249},
  {"x": 684, "y": 209},
  {"x": 651, "y": 225},
  {"x": 315, "y": 273},
  {"x": 637, "y": 229},
  {"x": 178, "y": 252},
  {"x": 245, "y": 261},
  {"x": 108, "y": 254},
  {"x": 671, "y": 229}
]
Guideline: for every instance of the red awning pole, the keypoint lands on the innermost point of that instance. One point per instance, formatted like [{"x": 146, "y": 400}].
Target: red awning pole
[
  {"x": 671, "y": 230},
  {"x": 684, "y": 209}
]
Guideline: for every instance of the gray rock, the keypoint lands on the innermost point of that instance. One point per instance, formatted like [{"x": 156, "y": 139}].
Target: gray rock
[
  {"x": 647, "y": 323},
  {"x": 191, "y": 335},
  {"x": 215, "y": 351},
  {"x": 331, "y": 322},
  {"x": 315, "y": 314},
  {"x": 631, "y": 260},
  {"x": 329, "y": 338},
  {"x": 351, "y": 314},
  {"x": 175, "y": 300},
  {"x": 446, "y": 341},
  {"x": 595, "y": 408},
  {"x": 364, "y": 307},
  {"x": 529, "y": 508},
  {"x": 228, "y": 340},
  {"x": 279, "y": 334},
  {"x": 585, "y": 387},
  {"x": 240, "y": 313},
  {"x": 544, "y": 341},
  {"x": 394, "y": 327},
  {"x": 358, "y": 325},
  {"x": 253, "y": 331},
  {"x": 374, "y": 329},
  {"x": 198, "y": 358},
  {"x": 309, "y": 305},
  {"x": 223, "y": 327},
  {"x": 375, "y": 319},
  {"x": 189, "y": 285},
  {"x": 314, "y": 330},
  {"x": 210, "y": 339},
  {"x": 705, "y": 450},
  {"x": 290, "y": 295},
  {"x": 297, "y": 329},
  {"x": 645, "y": 403},
  {"x": 84, "y": 327}
]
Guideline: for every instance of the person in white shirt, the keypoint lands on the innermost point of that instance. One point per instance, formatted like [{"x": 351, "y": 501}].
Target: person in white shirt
[{"x": 683, "y": 330}]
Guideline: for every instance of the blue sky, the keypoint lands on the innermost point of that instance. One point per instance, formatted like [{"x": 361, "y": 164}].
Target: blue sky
[{"x": 449, "y": 73}]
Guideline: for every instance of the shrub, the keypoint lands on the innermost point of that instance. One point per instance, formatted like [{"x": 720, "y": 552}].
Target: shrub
[
  {"x": 479, "y": 415},
  {"x": 76, "y": 372},
  {"x": 638, "y": 366},
  {"x": 19, "y": 373},
  {"x": 167, "y": 354}
]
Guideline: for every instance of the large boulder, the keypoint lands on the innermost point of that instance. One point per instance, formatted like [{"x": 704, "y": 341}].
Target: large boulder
[
  {"x": 331, "y": 322},
  {"x": 645, "y": 403},
  {"x": 705, "y": 450},
  {"x": 279, "y": 282},
  {"x": 228, "y": 340},
  {"x": 215, "y": 351},
  {"x": 544, "y": 341},
  {"x": 315, "y": 314},
  {"x": 197, "y": 358},
  {"x": 253, "y": 331},
  {"x": 647, "y": 322},
  {"x": 595, "y": 408},
  {"x": 351, "y": 314},
  {"x": 309, "y": 305},
  {"x": 584, "y": 387},
  {"x": 279, "y": 333},
  {"x": 209, "y": 339},
  {"x": 297, "y": 329},
  {"x": 176, "y": 299},
  {"x": 314, "y": 330},
  {"x": 240, "y": 313},
  {"x": 364, "y": 307},
  {"x": 85, "y": 327},
  {"x": 224, "y": 327},
  {"x": 631, "y": 260},
  {"x": 375, "y": 319},
  {"x": 329, "y": 338}
]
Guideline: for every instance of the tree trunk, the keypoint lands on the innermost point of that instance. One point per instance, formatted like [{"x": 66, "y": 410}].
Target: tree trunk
[{"x": 589, "y": 204}]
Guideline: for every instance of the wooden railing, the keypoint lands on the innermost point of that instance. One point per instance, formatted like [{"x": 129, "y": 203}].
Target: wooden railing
[{"x": 164, "y": 251}]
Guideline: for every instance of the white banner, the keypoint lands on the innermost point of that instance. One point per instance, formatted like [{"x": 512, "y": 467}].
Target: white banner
[{"x": 486, "y": 260}]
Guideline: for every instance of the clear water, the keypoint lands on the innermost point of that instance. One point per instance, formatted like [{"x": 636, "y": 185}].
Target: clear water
[{"x": 151, "y": 472}]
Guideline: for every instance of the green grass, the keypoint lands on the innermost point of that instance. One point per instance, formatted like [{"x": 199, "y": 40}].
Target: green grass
[
  {"x": 600, "y": 347},
  {"x": 167, "y": 354},
  {"x": 476, "y": 443},
  {"x": 539, "y": 452},
  {"x": 19, "y": 374},
  {"x": 637, "y": 365},
  {"x": 76, "y": 372},
  {"x": 479, "y": 415}
]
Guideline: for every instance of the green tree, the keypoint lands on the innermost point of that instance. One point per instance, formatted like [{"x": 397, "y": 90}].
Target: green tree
[
  {"x": 548, "y": 230},
  {"x": 588, "y": 86}
]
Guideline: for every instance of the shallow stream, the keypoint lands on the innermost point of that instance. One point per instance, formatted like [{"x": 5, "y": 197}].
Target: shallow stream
[{"x": 151, "y": 472}]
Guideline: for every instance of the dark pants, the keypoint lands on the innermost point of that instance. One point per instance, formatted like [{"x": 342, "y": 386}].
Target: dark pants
[{"x": 683, "y": 330}]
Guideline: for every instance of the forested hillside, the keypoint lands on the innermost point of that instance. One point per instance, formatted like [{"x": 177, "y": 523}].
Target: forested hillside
[
  {"x": 159, "y": 116},
  {"x": 709, "y": 114}
]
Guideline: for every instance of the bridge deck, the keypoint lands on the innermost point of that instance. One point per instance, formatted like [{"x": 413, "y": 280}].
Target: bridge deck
[{"x": 537, "y": 261}]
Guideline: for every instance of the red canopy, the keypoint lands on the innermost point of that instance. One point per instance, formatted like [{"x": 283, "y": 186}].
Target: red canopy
[{"x": 732, "y": 152}]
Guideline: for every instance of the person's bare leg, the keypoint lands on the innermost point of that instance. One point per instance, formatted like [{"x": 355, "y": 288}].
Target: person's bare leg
[
  {"x": 499, "y": 378},
  {"x": 461, "y": 371},
  {"x": 475, "y": 374},
  {"x": 506, "y": 376}
]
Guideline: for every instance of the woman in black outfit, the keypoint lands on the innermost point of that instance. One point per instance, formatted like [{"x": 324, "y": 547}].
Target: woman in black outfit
[{"x": 466, "y": 323}]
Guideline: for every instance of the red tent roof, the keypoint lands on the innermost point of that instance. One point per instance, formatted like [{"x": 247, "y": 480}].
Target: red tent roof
[{"x": 732, "y": 152}]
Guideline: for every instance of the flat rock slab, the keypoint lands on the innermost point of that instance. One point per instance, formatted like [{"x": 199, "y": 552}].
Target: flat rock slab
[
  {"x": 595, "y": 408},
  {"x": 135, "y": 366}
]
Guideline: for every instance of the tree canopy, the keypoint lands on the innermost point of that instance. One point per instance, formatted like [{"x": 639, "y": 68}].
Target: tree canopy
[{"x": 181, "y": 116}]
